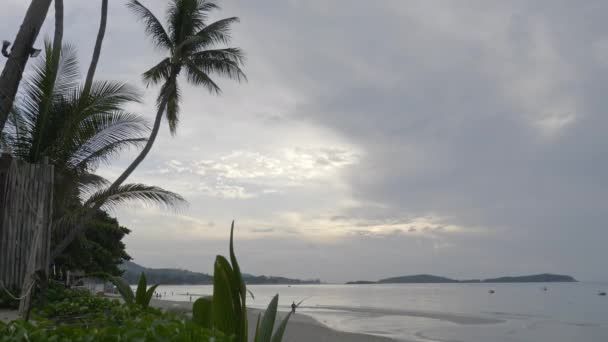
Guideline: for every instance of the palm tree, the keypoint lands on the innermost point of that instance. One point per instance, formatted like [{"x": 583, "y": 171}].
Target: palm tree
[
  {"x": 97, "y": 50},
  {"x": 191, "y": 45},
  {"x": 76, "y": 133},
  {"x": 20, "y": 53}
]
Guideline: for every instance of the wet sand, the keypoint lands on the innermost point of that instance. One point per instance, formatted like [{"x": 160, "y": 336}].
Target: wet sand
[{"x": 301, "y": 328}]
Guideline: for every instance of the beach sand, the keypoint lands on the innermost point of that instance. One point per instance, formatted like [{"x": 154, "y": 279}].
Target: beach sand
[
  {"x": 8, "y": 315},
  {"x": 301, "y": 328}
]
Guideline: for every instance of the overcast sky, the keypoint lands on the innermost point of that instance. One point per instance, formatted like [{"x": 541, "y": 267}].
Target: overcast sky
[{"x": 377, "y": 138}]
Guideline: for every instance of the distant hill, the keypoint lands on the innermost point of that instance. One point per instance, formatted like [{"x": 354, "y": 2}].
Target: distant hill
[
  {"x": 431, "y": 279},
  {"x": 168, "y": 276},
  {"x": 536, "y": 278},
  {"x": 417, "y": 279},
  {"x": 173, "y": 276}
]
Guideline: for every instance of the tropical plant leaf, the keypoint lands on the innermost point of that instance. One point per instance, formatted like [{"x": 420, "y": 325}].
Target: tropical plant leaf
[
  {"x": 267, "y": 325},
  {"x": 222, "y": 62},
  {"x": 149, "y": 293},
  {"x": 278, "y": 334},
  {"x": 197, "y": 77},
  {"x": 140, "y": 293},
  {"x": 217, "y": 32},
  {"x": 154, "y": 29},
  {"x": 239, "y": 291},
  {"x": 256, "y": 338},
  {"x": 224, "y": 316},
  {"x": 202, "y": 312},
  {"x": 159, "y": 72},
  {"x": 136, "y": 192},
  {"x": 123, "y": 288}
]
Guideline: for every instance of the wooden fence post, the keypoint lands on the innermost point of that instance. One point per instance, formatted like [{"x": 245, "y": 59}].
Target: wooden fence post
[{"x": 26, "y": 208}]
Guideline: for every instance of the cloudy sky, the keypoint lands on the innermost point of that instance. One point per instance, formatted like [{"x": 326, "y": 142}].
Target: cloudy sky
[{"x": 377, "y": 138}]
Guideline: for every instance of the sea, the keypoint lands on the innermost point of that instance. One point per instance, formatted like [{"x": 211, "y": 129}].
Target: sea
[{"x": 516, "y": 312}]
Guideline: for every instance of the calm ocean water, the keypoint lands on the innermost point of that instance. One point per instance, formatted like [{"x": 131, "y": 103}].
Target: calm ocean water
[{"x": 444, "y": 312}]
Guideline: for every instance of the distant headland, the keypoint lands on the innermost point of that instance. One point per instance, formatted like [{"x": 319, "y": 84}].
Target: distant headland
[
  {"x": 174, "y": 276},
  {"x": 432, "y": 279}
]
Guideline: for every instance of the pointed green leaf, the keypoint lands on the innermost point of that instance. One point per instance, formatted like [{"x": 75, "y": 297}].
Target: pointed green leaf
[
  {"x": 148, "y": 297},
  {"x": 265, "y": 328},
  {"x": 202, "y": 312},
  {"x": 257, "y": 329},
  {"x": 140, "y": 293},
  {"x": 239, "y": 293},
  {"x": 224, "y": 318},
  {"x": 123, "y": 288},
  {"x": 278, "y": 335}
]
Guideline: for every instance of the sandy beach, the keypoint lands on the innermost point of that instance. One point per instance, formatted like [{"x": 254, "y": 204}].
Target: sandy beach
[
  {"x": 301, "y": 328},
  {"x": 8, "y": 315}
]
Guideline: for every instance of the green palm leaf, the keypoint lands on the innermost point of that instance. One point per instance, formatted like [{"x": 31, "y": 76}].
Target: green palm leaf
[
  {"x": 145, "y": 194},
  {"x": 154, "y": 28}
]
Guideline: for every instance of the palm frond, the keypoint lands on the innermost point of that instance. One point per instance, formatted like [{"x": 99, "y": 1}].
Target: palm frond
[
  {"x": 154, "y": 28},
  {"x": 215, "y": 33},
  {"x": 68, "y": 73},
  {"x": 200, "y": 78},
  {"x": 48, "y": 83},
  {"x": 99, "y": 136},
  {"x": 170, "y": 95},
  {"x": 186, "y": 17},
  {"x": 88, "y": 183},
  {"x": 107, "y": 96},
  {"x": 145, "y": 194},
  {"x": 222, "y": 62},
  {"x": 158, "y": 73},
  {"x": 107, "y": 151}
]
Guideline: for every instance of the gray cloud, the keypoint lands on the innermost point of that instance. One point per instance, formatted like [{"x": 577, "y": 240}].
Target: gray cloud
[{"x": 461, "y": 138}]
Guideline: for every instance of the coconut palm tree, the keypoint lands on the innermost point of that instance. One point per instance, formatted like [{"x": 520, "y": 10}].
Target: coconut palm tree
[
  {"x": 19, "y": 55},
  {"x": 53, "y": 121},
  {"x": 192, "y": 46},
  {"x": 97, "y": 50}
]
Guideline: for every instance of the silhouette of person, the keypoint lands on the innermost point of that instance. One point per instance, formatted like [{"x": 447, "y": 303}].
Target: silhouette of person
[{"x": 293, "y": 307}]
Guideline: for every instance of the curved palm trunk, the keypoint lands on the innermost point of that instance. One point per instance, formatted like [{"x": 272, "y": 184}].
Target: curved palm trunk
[
  {"x": 80, "y": 227},
  {"x": 56, "y": 56},
  {"x": 20, "y": 53},
  {"x": 58, "y": 37},
  {"x": 97, "y": 49}
]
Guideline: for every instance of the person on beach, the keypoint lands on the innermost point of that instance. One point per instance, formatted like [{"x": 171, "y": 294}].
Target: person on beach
[{"x": 293, "y": 307}]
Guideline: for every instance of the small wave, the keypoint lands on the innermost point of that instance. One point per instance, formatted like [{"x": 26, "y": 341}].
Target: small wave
[{"x": 464, "y": 319}]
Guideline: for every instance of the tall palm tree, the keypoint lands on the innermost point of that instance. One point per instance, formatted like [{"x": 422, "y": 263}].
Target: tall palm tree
[
  {"x": 76, "y": 133},
  {"x": 191, "y": 46},
  {"x": 97, "y": 50},
  {"x": 19, "y": 55}
]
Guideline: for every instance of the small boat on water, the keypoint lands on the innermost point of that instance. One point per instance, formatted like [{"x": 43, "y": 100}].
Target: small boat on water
[
  {"x": 601, "y": 293},
  {"x": 545, "y": 289},
  {"x": 491, "y": 291}
]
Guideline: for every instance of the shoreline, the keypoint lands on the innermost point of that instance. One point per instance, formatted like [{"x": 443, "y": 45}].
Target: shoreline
[{"x": 301, "y": 327}]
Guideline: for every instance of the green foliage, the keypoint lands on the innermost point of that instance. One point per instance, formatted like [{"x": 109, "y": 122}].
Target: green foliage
[
  {"x": 147, "y": 327},
  {"x": 76, "y": 132},
  {"x": 75, "y": 315},
  {"x": 124, "y": 289},
  {"x": 226, "y": 311},
  {"x": 99, "y": 249},
  {"x": 142, "y": 295},
  {"x": 202, "y": 312}
]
